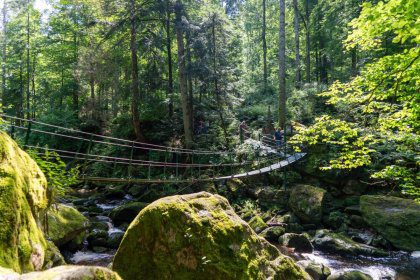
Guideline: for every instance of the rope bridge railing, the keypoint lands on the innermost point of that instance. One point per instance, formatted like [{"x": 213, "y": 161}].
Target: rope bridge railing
[{"x": 198, "y": 165}]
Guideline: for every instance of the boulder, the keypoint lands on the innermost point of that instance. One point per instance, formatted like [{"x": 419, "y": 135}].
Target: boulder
[
  {"x": 354, "y": 187},
  {"x": 317, "y": 271},
  {"x": 269, "y": 196},
  {"x": 198, "y": 236},
  {"x": 66, "y": 272},
  {"x": 297, "y": 241},
  {"x": 337, "y": 243},
  {"x": 66, "y": 226},
  {"x": 126, "y": 213},
  {"x": 23, "y": 201},
  {"x": 307, "y": 203},
  {"x": 272, "y": 234},
  {"x": 257, "y": 224},
  {"x": 350, "y": 275},
  {"x": 335, "y": 219},
  {"x": 396, "y": 219}
]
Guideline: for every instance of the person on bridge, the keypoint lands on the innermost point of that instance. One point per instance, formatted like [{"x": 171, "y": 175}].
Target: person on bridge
[{"x": 278, "y": 137}]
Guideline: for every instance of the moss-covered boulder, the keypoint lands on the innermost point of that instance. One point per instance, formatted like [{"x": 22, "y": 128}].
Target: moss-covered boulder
[
  {"x": 23, "y": 201},
  {"x": 273, "y": 233},
  {"x": 72, "y": 272},
  {"x": 396, "y": 219},
  {"x": 66, "y": 226},
  {"x": 126, "y": 213},
  {"x": 257, "y": 224},
  {"x": 338, "y": 243},
  {"x": 317, "y": 271},
  {"x": 197, "y": 236},
  {"x": 308, "y": 202},
  {"x": 299, "y": 242}
]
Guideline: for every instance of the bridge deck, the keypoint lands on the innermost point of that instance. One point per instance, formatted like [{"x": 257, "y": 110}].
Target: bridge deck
[{"x": 289, "y": 160}]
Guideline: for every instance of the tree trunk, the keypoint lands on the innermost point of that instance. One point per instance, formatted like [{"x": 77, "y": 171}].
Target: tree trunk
[
  {"x": 323, "y": 73},
  {"x": 264, "y": 43},
  {"x": 297, "y": 46},
  {"x": 170, "y": 90},
  {"x": 4, "y": 58},
  {"x": 190, "y": 83},
  {"x": 19, "y": 109},
  {"x": 282, "y": 67},
  {"x": 33, "y": 88},
  {"x": 183, "y": 76},
  {"x": 28, "y": 66},
  {"x": 308, "y": 44},
  {"x": 135, "y": 90},
  {"x": 216, "y": 85}
]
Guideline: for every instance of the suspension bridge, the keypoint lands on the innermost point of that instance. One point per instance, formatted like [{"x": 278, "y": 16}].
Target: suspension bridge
[{"x": 141, "y": 162}]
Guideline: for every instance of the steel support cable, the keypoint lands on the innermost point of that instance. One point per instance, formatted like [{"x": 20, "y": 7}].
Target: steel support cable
[
  {"x": 154, "y": 147},
  {"x": 116, "y": 160}
]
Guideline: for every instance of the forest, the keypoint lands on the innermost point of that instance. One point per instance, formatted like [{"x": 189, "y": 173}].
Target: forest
[{"x": 204, "y": 139}]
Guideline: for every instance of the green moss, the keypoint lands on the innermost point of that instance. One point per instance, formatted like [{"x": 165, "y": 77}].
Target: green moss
[
  {"x": 396, "y": 219},
  {"x": 194, "y": 236},
  {"x": 23, "y": 199},
  {"x": 66, "y": 224},
  {"x": 257, "y": 224},
  {"x": 307, "y": 203}
]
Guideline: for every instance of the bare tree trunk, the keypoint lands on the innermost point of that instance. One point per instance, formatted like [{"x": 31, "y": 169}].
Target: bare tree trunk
[
  {"x": 19, "y": 109},
  {"x": 170, "y": 90},
  {"x": 323, "y": 73},
  {"x": 308, "y": 44},
  {"x": 282, "y": 67},
  {"x": 28, "y": 65},
  {"x": 135, "y": 90},
  {"x": 4, "y": 58},
  {"x": 33, "y": 88},
  {"x": 183, "y": 76},
  {"x": 264, "y": 42},
  {"x": 297, "y": 45},
  {"x": 190, "y": 83}
]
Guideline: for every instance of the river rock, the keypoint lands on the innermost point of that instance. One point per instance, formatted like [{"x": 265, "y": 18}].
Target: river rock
[
  {"x": 396, "y": 219},
  {"x": 335, "y": 219},
  {"x": 350, "y": 275},
  {"x": 23, "y": 200},
  {"x": 66, "y": 226},
  {"x": 307, "y": 202},
  {"x": 273, "y": 233},
  {"x": 198, "y": 236},
  {"x": 331, "y": 242},
  {"x": 257, "y": 224},
  {"x": 297, "y": 241},
  {"x": 67, "y": 272},
  {"x": 126, "y": 213},
  {"x": 317, "y": 271}
]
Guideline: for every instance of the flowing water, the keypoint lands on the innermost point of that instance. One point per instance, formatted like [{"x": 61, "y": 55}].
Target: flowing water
[{"x": 399, "y": 265}]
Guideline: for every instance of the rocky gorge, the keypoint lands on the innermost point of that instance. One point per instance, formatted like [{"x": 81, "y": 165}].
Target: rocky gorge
[{"x": 233, "y": 230}]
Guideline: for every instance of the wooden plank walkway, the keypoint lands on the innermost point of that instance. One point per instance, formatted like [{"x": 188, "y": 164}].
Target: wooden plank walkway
[{"x": 289, "y": 160}]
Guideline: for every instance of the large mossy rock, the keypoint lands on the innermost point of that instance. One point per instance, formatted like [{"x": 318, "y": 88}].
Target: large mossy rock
[
  {"x": 307, "y": 203},
  {"x": 23, "y": 201},
  {"x": 338, "y": 243},
  {"x": 66, "y": 226},
  {"x": 396, "y": 219},
  {"x": 197, "y": 236},
  {"x": 65, "y": 272}
]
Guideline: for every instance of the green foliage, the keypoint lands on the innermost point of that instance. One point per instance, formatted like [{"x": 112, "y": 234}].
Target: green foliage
[
  {"x": 59, "y": 177},
  {"x": 377, "y": 120}
]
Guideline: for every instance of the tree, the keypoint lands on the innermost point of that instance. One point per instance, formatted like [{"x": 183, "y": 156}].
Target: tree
[
  {"x": 282, "y": 67},
  {"x": 135, "y": 90},
  {"x": 183, "y": 75},
  {"x": 297, "y": 47},
  {"x": 264, "y": 44}
]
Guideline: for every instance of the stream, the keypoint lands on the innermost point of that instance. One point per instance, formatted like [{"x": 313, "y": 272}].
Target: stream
[{"x": 399, "y": 265}]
